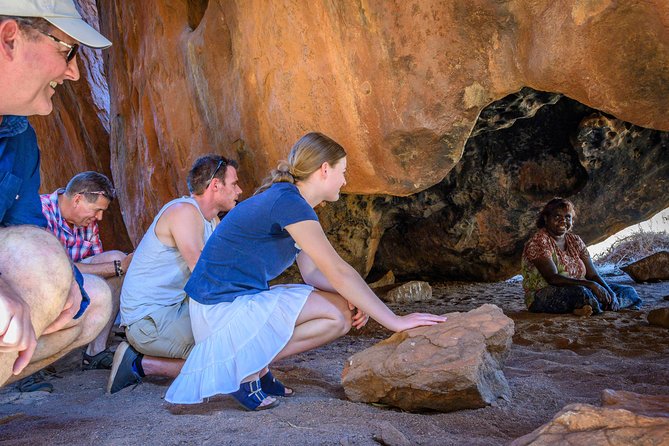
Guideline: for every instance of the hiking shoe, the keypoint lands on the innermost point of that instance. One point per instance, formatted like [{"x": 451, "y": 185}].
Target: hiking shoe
[
  {"x": 122, "y": 375},
  {"x": 34, "y": 383},
  {"x": 101, "y": 361}
]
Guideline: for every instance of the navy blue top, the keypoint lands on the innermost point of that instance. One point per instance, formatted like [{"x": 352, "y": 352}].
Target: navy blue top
[
  {"x": 250, "y": 246},
  {"x": 19, "y": 174}
]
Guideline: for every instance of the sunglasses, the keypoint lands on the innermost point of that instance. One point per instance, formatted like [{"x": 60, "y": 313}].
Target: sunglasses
[
  {"x": 73, "y": 48},
  {"x": 100, "y": 193},
  {"x": 220, "y": 163}
]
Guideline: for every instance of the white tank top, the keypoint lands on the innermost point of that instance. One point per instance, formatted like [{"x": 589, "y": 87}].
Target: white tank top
[{"x": 158, "y": 273}]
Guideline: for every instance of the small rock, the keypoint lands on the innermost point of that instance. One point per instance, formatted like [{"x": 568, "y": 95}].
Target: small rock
[
  {"x": 344, "y": 442},
  {"x": 390, "y": 436},
  {"x": 415, "y": 291},
  {"x": 626, "y": 419},
  {"x": 649, "y": 269},
  {"x": 659, "y": 317},
  {"x": 666, "y": 297},
  {"x": 648, "y": 405},
  {"x": 387, "y": 279},
  {"x": 449, "y": 366}
]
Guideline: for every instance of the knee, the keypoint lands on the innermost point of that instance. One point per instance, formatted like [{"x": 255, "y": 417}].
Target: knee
[
  {"x": 589, "y": 298},
  {"x": 343, "y": 320},
  {"x": 99, "y": 311},
  {"x": 36, "y": 265},
  {"x": 116, "y": 255},
  {"x": 626, "y": 291}
]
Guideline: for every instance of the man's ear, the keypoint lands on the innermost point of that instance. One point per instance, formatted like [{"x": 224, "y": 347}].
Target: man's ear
[{"x": 9, "y": 33}]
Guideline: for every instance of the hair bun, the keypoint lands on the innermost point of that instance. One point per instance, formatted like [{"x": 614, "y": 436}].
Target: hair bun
[{"x": 284, "y": 167}]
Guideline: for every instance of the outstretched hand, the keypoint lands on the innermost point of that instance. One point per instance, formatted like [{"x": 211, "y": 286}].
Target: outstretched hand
[
  {"x": 359, "y": 317},
  {"x": 416, "y": 320},
  {"x": 16, "y": 329}
]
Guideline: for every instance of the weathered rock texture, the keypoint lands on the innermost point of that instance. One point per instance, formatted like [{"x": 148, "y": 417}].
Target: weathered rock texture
[
  {"x": 400, "y": 85},
  {"x": 473, "y": 224},
  {"x": 652, "y": 268},
  {"x": 626, "y": 418},
  {"x": 659, "y": 317},
  {"x": 248, "y": 78},
  {"x": 450, "y": 366},
  {"x": 414, "y": 291}
]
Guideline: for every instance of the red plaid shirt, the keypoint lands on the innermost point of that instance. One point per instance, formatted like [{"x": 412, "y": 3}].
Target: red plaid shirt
[{"x": 79, "y": 242}]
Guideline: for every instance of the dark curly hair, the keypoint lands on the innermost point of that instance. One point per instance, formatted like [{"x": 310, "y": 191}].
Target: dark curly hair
[{"x": 551, "y": 206}]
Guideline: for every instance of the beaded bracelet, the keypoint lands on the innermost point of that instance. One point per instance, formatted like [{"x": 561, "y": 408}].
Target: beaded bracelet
[{"x": 117, "y": 268}]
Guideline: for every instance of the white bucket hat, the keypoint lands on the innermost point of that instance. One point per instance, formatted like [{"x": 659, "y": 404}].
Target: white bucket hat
[{"x": 60, "y": 13}]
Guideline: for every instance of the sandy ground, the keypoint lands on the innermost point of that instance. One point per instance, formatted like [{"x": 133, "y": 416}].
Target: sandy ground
[{"x": 555, "y": 360}]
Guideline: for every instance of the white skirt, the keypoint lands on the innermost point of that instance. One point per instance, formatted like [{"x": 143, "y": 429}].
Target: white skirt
[{"x": 236, "y": 339}]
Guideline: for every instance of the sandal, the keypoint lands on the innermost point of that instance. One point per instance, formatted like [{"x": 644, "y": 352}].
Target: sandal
[
  {"x": 34, "y": 383},
  {"x": 272, "y": 386},
  {"x": 251, "y": 396},
  {"x": 101, "y": 361}
]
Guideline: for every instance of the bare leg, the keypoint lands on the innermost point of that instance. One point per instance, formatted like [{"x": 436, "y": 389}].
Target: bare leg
[
  {"x": 77, "y": 332},
  {"x": 35, "y": 264},
  {"x": 100, "y": 342},
  {"x": 169, "y": 367},
  {"x": 324, "y": 318}
]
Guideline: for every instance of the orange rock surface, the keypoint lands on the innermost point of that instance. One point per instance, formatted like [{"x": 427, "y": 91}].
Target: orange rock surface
[{"x": 399, "y": 84}]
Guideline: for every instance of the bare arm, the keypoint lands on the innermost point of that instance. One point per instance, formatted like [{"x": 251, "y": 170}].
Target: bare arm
[
  {"x": 16, "y": 330},
  {"x": 181, "y": 226},
  {"x": 347, "y": 282},
  {"x": 105, "y": 269},
  {"x": 592, "y": 274},
  {"x": 103, "y": 264},
  {"x": 311, "y": 274}
]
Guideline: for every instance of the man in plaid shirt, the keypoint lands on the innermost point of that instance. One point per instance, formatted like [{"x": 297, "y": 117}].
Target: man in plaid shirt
[{"x": 72, "y": 214}]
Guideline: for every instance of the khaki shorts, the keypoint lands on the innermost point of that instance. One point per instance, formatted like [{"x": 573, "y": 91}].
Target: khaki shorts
[{"x": 165, "y": 333}]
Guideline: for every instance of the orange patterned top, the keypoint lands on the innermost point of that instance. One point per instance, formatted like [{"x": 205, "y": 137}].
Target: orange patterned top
[{"x": 542, "y": 246}]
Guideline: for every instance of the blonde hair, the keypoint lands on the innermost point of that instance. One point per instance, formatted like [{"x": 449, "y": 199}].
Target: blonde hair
[{"x": 306, "y": 157}]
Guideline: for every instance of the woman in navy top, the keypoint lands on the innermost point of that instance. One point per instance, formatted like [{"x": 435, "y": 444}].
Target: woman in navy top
[{"x": 240, "y": 324}]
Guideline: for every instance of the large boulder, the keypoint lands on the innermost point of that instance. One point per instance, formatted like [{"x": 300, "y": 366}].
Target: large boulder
[
  {"x": 653, "y": 268},
  {"x": 626, "y": 419},
  {"x": 239, "y": 77},
  {"x": 449, "y": 366},
  {"x": 247, "y": 77}
]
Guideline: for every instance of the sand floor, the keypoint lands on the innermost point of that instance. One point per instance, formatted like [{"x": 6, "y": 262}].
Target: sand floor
[{"x": 554, "y": 361}]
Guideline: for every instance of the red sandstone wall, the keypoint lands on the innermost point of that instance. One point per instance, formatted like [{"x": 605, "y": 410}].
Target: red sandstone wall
[{"x": 399, "y": 84}]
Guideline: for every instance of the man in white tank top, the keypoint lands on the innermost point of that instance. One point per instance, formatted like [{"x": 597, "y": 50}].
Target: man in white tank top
[{"x": 154, "y": 306}]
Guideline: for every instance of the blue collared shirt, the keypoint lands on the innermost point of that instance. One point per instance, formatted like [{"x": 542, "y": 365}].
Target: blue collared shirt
[{"x": 19, "y": 174}]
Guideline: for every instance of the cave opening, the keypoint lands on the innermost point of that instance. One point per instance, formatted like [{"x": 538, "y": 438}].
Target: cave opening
[{"x": 196, "y": 11}]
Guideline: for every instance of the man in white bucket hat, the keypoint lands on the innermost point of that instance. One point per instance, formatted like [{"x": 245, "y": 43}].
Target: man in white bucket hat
[{"x": 45, "y": 311}]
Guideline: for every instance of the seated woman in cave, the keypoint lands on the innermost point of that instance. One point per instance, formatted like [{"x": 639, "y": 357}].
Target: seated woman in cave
[
  {"x": 240, "y": 324},
  {"x": 558, "y": 274}
]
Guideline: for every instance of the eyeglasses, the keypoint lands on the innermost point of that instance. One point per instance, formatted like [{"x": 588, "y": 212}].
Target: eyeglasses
[
  {"x": 220, "y": 163},
  {"x": 73, "y": 48},
  {"x": 101, "y": 193}
]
